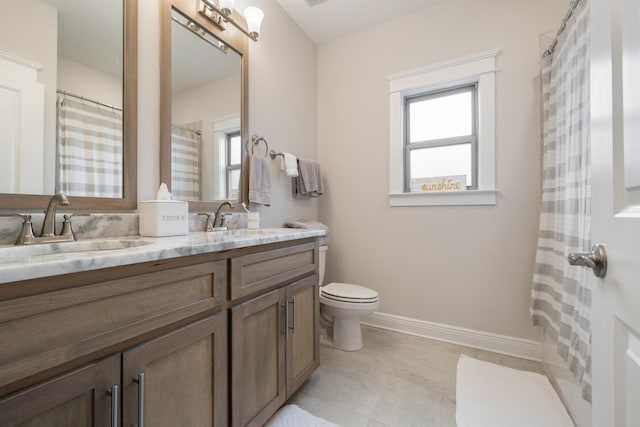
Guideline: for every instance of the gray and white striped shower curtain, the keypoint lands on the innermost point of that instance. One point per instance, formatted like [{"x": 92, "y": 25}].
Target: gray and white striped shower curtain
[
  {"x": 561, "y": 297},
  {"x": 185, "y": 164},
  {"x": 89, "y": 152}
]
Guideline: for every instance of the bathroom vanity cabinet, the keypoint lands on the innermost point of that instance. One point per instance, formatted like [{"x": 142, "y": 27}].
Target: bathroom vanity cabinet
[
  {"x": 274, "y": 334},
  {"x": 180, "y": 377},
  {"x": 161, "y": 340}
]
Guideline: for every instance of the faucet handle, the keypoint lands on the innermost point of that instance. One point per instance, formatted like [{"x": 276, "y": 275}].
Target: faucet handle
[
  {"x": 67, "y": 230},
  {"x": 26, "y": 232},
  {"x": 209, "y": 226}
]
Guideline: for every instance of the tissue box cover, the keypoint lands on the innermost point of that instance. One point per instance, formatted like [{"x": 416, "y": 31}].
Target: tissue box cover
[{"x": 160, "y": 218}]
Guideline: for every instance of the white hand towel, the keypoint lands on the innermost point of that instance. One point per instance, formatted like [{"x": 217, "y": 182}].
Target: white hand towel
[
  {"x": 289, "y": 164},
  {"x": 259, "y": 180}
]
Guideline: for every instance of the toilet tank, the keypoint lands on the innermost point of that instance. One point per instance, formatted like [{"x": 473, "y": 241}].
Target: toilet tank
[{"x": 323, "y": 261}]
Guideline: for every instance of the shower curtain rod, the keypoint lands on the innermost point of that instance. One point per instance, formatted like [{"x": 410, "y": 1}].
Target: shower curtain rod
[
  {"x": 186, "y": 128},
  {"x": 65, "y": 93},
  {"x": 563, "y": 25}
]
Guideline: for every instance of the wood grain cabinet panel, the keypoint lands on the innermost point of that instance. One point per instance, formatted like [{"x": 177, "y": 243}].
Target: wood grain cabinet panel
[
  {"x": 75, "y": 322},
  {"x": 303, "y": 337},
  {"x": 179, "y": 379},
  {"x": 274, "y": 349},
  {"x": 261, "y": 271},
  {"x": 258, "y": 359},
  {"x": 76, "y": 399}
]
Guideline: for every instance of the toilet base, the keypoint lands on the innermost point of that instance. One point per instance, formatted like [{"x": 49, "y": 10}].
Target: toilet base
[
  {"x": 342, "y": 334},
  {"x": 347, "y": 334}
]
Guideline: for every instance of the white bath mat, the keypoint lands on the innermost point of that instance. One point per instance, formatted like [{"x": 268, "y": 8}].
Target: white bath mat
[
  {"x": 489, "y": 395},
  {"x": 294, "y": 416}
]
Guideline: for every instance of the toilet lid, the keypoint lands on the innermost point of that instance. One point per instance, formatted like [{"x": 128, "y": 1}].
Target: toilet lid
[{"x": 348, "y": 292}]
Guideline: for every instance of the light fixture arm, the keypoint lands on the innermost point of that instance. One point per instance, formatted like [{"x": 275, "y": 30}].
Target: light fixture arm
[{"x": 224, "y": 15}]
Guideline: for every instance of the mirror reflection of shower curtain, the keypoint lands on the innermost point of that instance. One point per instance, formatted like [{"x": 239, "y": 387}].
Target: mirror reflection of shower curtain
[
  {"x": 89, "y": 149},
  {"x": 185, "y": 163}
]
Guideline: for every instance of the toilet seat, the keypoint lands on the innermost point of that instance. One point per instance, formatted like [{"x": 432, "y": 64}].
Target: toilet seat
[{"x": 345, "y": 292}]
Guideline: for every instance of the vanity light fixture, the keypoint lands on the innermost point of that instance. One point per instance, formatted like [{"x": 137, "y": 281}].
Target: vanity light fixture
[
  {"x": 200, "y": 32},
  {"x": 221, "y": 13}
]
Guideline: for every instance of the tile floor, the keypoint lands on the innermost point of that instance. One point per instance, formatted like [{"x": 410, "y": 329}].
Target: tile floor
[{"x": 396, "y": 380}]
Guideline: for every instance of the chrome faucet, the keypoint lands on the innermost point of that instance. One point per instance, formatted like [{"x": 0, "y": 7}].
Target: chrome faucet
[
  {"x": 48, "y": 234},
  {"x": 217, "y": 221},
  {"x": 49, "y": 224}
]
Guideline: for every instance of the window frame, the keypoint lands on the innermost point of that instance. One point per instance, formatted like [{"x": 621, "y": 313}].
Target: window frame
[
  {"x": 229, "y": 167},
  {"x": 479, "y": 69},
  {"x": 471, "y": 139}
]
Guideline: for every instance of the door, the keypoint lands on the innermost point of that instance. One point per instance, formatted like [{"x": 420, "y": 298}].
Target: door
[
  {"x": 178, "y": 379},
  {"x": 303, "y": 337},
  {"x": 615, "y": 141},
  {"x": 88, "y": 396},
  {"x": 258, "y": 334}
]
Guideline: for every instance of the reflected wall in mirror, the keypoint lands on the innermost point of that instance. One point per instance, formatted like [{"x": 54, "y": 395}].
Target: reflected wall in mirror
[
  {"x": 205, "y": 115},
  {"x": 203, "y": 119},
  {"x": 68, "y": 90}
]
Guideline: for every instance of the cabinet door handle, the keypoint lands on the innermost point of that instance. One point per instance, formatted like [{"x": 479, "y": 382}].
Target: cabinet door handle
[
  {"x": 293, "y": 315},
  {"x": 140, "y": 381},
  {"x": 285, "y": 307},
  {"x": 114, "y": 392}
]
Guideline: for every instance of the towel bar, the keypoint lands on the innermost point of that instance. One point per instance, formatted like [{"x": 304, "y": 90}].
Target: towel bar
[{"x": 273, "y": 154}]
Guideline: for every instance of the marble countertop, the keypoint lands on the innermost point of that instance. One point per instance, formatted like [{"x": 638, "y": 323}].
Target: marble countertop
[{"x": 51, "y": 259}]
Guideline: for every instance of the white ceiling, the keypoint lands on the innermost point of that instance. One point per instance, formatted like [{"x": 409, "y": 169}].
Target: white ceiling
[{"x": 331, "y": 19}]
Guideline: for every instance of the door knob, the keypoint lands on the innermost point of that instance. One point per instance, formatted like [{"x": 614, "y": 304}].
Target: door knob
[{"x": 596, "y": 260}]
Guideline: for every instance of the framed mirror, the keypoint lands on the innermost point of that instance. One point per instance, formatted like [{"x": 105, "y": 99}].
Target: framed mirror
[
  {"x": 68, "y": 102},
  {"x": 203, "y": 98}
]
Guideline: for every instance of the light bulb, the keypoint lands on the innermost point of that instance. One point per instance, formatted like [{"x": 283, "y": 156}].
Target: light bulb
[{"x": 254, "y": 16}]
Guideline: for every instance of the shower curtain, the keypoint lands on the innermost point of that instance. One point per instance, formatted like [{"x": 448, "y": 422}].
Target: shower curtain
[
  {"x": 561, "y": 297},
  {"x": 185, "y": 163},
  {"x": 89, "y": 140}
]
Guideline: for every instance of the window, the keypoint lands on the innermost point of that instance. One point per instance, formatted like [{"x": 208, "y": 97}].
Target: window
[
  {"x": 440, "y": 135},
  {"x": 234, "y": 154},
  {"x": 442, "y": 123},
  {"x": 225, "y": 153}
]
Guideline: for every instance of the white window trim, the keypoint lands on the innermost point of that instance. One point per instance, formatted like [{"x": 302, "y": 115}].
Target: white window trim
[{"x": 479, "y": 68}]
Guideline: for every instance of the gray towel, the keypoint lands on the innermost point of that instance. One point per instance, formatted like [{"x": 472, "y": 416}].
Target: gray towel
[
  {"x": 259, "y": 180},
  {"x": 310, "y": 225},
  {"x": 308, "y": 183}
]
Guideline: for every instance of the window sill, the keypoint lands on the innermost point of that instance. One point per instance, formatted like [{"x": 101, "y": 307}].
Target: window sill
[{"x": 445, "y": 198}]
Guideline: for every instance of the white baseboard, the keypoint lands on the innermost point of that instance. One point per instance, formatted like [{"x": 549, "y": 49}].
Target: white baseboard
[{"x": 512, "y": 346}]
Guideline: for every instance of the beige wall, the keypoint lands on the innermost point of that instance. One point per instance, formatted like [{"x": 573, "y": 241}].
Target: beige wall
[
  {"x": 282, "y": 92},
  {"x": 282, "y": 107},
  {"x": 464, "y": 266},
  {"x": 78, "y": 79}
]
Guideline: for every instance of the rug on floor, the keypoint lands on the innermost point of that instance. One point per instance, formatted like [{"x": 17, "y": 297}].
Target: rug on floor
[
  {"x": 489, "y": 395},
  {"x": 294, "y": 416}
]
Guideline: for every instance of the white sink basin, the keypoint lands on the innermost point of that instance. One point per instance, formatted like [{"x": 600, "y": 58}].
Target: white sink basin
[{"x": 89, "y": 246}]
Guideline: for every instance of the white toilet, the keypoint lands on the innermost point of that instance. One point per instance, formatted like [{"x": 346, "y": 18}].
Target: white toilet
[{"x": 341, "y": 307}]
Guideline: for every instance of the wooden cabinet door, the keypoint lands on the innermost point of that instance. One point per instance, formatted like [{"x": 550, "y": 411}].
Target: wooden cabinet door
[
  {"x": 178, "y": 379},
  {"x": 80, "y": 398},
  {"x": 258, "y": 359},
  {"x": 303, "y": 337}
]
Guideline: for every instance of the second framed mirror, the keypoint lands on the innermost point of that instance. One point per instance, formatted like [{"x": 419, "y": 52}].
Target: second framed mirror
[{"x": 203, "y": 113}]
